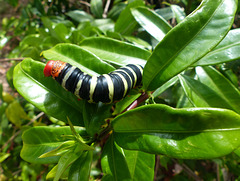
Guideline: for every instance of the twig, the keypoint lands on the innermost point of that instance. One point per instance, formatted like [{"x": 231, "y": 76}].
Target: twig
[
  {"x": 19, "y": 131},
  {"x": 138, "y": 101},
  {"x": 156, "y": 166},
  {"x": 11, "y": 59},
  {"x": 106, "y": 8},
  {"x": 85, "y": 3},
  {"x": 188, "y": 171}
]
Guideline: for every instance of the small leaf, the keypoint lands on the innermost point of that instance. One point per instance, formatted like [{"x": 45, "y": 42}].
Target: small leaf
[
  {"x": 42, "y": 139},
  {"x": 227, "y": 50},
  {"x": 96, "y": 8},
  {"x": 120, "y": 164},
  {"x": 151, "y": 22},
  {"x": 80, "y": 169},
  {"x": 221, "y": 85},
  {"x": 16, "y": 114},
  {"x": 126, "y": 23},
  {"x": 178, "y": 12},
  {"x": 79, "y": 16}
]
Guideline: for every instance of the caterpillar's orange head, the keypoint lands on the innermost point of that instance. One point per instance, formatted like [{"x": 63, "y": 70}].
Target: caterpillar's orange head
[{"x": 53, "y": 68}]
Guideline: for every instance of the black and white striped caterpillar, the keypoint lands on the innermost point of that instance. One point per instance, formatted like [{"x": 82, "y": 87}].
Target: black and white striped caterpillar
[{"x": 105, "y": 88}]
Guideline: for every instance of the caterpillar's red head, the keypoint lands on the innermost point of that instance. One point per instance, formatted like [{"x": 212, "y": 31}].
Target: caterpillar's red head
[{"x": 53, "y": 68}]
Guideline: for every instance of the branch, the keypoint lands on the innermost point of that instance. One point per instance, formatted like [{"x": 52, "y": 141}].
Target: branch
[
  {"x": 11, "y": 59},
  {"x": 19, "y": 131},
  {"x": 106, "y": 8}
]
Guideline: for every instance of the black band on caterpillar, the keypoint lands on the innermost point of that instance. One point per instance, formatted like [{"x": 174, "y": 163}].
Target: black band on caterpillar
[{"x": 105, "y": 88}]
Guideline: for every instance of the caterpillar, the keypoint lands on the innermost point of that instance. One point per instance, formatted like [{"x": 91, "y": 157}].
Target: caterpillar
[{"x": 105, "y": 88}]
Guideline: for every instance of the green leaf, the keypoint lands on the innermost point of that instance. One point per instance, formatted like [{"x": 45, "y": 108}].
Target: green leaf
[
  {"x": 151, "y": 22},
  {"x": 123, "y": 104},
  {"x": 200, "y": 95},
  {"x": 114, "y": 51},
  {"x": 201, "y": 31},
  {"x": 65, "y": 161},
  {"x": 96, "y": 8},
  {"x": 120, "y": 164},
  {"x": 80, "y": 169},
  {"x": 227, "y": 50},
  {"x": 178, "y": 12},
  {"x": 165, "y": 86},
  {"x": 79, "y": 57},
  {"x": 95, "y": 116},
  {"x": 188, "y": 133},
  {"x": 126, "y": 23},
  {"x": 62, "y": 33},
  {"x": 79, "y": 16},
  {"x": 45, "y": 93},
  {"x": 16, "y": 114},
  {"x": 221, "y": 85},
  {"x": 63, "y": 148},
  {"x": 166, "y": 13},
  {"x": 42, "y": 139},
  {"x": 104, "y": 24}
]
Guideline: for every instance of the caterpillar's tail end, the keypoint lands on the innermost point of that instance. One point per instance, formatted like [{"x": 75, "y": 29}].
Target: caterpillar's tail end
[{"x": 48, "y": 68}]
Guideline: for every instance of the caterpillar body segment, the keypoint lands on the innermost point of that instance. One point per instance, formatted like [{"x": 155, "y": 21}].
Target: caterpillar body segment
[{"x": 105, "y": 88}]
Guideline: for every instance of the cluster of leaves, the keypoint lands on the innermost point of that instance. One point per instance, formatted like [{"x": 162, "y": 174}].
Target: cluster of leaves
[{"x": 185, "y": 67}]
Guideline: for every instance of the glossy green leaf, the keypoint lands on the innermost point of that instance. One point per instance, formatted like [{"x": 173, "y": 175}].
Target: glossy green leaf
[
  {"x": 201, "y": 95},
  {"x": 188, "y": 133},
  {"x": 103, "y": 24},
  {"x": 16, "y": 114},
  {"x": 41, "y": 139},
  {"x": 79, "y": 57},
  {"x": 96, "y": 8},
  {"x": 45, "y": 93},
  {"x": 126, "y": 23},
  {"x": 227, "y": 50},
  {"x": 94, "y": 116},
  {"x": 178, "y": 12},
  {"x": 79, "y": 16},
  {"x": 65, "y": 161},
  {"x": 166, "y": 13},
  {"x": 123, "y": 104},
  {"x": 120, "y": 164},
  {"x": 116, "y": 10},
  {"x": 221, "y": 85},
  {"x": 165, "y": 86},
  {"x": 189, "y": 41},
  {"x": 80, "y": 169},
  {"x": 114, "y": 51},
  {"x": 62, "y": 32},
  {"x": 151, "y": 22},
  {"x": 63, "y": 148}
]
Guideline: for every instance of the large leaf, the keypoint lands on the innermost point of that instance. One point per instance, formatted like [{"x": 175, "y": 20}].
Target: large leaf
[
  {"x": 79, "y": 57},
  {"x": 126, "y": 23},
  {"x": 221, "y": 85},
  {"x": 190, "y": 133},
  {"x": 151, "y": 22},
  {"x": 189, "y": 41},
  {"x": 115, "y": 52},
  {"x": 120, "y": 164},
  {"x": 45, "y": 93},
  {"x": 227, "y": 50},
  {"x": 42, "y": 139}
]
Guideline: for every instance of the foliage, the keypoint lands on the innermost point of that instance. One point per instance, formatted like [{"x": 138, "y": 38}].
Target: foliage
[{"x": 188, "y": 105}]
